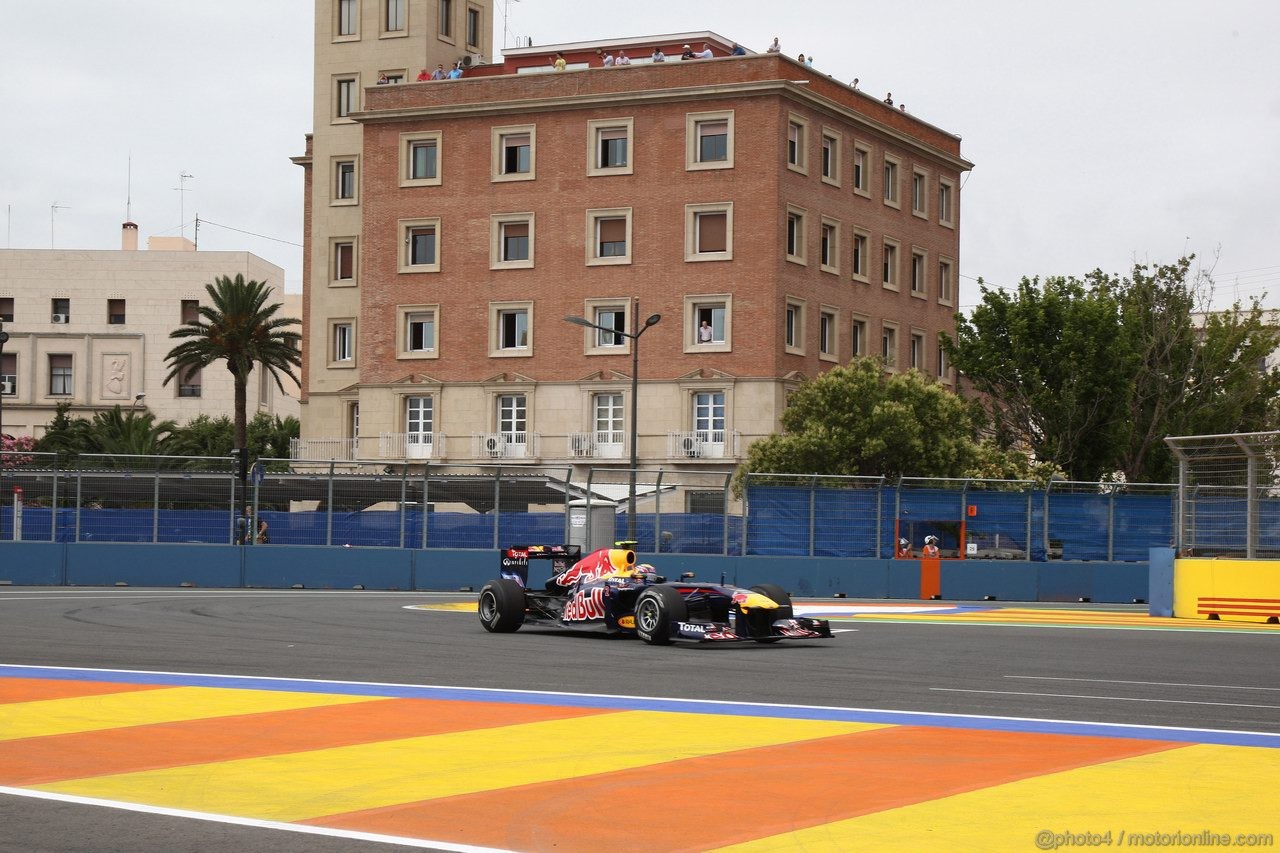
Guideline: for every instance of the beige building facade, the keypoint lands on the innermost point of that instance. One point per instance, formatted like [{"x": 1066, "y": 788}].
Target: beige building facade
[{"x": 91, "y": 328}]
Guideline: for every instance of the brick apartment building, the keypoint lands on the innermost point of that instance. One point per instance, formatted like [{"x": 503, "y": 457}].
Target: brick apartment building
[{"x": 778, "y": 221}]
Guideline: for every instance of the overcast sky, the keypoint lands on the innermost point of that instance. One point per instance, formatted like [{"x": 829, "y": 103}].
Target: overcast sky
[{"x": 1102, "y": 132}]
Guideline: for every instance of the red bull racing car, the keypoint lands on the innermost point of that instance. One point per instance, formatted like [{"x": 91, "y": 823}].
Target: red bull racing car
[{"x": 608, "y": 591}]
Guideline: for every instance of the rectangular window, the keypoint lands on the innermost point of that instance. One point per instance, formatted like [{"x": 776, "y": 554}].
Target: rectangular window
[
  {"x": 190, "y": 383},
  {"x": 8, "y": 374},
  {"x": 889, "y": 345},
  {"x": 709, "y": 140},
  {"x": 858, "y": 337},
  {"x": 919, "y": 193},
  {"x": 609, "y": 146},
  {"x": 6, "y": 309},
  {"x": 513, "y": 329},
  {"x": 861, "y": 259},
  {"x": 346, "y": 99},
  {"x": 831, "y": 157},
  {"x": 827, "y": 334},
  {"x": 348, "y": 17},
  {"x": 918, "y": 285},
  {"x": 343, "y": 342},
  {"x": 513, "y": 153},
  {"x": 795, "y": 236},
  {"x": 829, "y": 248},
  {"x": 512, "y": 238},
  {"x": 608, "y": 417},
  {"x": 420, "y": 331},
  {"x": 891, "y": 193},
  {"x": 115, "y": 312},
  {"x": 796, "y": 133},
  {"x": 422, "y": 246},
  {"x": 344, "y": 260},
  {"x": 446, "y": 19},
  {"x": 793, "y": 328},
  {"x": 344, "y": 188},
  {"x": 189, "y": 310},
  {"x": 890, "y": 265},
  {"x": 917, "y": 350},
  {"x": 61, "y": 382},
  {"x": 944, "y": 367},
  {"x": 473, "y": 27},
  {"x": 708, "y": 232},
  {"x": 708, "y": 415},
  {"x": 611, "y": 238},
  {"x": 419, "y": 419},
  {"x": 710, "y": 319},
  {"x": 861, "y": 169},
  {"x": 60, "y": 311},
  {"x": 945, "y": 287},
  {"x": 394, "y": 20},
  {"x": 608, "y": 236},
  {"x": 944, "y": 203},
  {"x": 610, "y": 318},
  {"x": 422, "y": 159}
]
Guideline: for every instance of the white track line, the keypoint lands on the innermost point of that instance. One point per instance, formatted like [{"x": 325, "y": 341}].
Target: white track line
[
  {"x": 1106, "y": 698},
  {"x": 1144, "y": 683},
  {"x": 251, "y": 822}
]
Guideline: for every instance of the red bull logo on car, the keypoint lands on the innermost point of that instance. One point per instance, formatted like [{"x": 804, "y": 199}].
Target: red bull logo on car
[
  {"x": 585, "y": 604},
  {"x": 597, "y": 565}
]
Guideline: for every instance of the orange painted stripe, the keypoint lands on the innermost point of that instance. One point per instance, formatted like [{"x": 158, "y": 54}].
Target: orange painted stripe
[
  {"x": 78, "y": 755},
  {"x": 740, "y": 796},
  {"x": 38, "y": 689},
  {"x": 1253, "y": 600},
  {"x": 930, "y": 577}
]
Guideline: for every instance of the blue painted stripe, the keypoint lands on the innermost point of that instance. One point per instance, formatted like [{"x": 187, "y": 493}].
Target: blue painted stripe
[{"x": 686, "y": 706}]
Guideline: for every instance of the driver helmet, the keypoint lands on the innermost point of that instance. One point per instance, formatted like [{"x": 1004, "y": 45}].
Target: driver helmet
[
  {"x": 644, "y": 571},
  {"x": 931, "y": 540},
  {"x": 903, "y": 542}
]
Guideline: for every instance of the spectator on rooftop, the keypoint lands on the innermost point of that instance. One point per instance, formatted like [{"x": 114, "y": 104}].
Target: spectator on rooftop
[
  {"x": 738, "y": 50},
  {"x": 888, "y": 99},
  {"x": 658, "y": 55},
  {"x": 688, "y": 53},
  {"x": 558, "y": 63},
  {"x": 622, "y": 59},
  {"x": 424, "y": 74},
  {"x": 608, "y": 59},
  {"x": 705, "y": 53},
  {"x": 776, "y": 47}
]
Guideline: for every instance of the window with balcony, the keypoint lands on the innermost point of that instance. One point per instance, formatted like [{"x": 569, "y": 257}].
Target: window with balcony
[
  {"x": 512, "y": 416},
  {"x": 709, "y": 417},
  {"x": 608, "y": 418},
  {"x": 419, "y": 419}
]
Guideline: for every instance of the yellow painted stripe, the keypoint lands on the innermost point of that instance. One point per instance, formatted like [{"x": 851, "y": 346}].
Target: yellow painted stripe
[
  {"x": 147, "y": 707},
  {"x": 1225, "y": 789},
  {"x": 332, "y": 781}
]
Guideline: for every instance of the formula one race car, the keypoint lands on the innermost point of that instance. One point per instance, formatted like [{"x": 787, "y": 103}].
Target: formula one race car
[{"x": 607, "y": 591}]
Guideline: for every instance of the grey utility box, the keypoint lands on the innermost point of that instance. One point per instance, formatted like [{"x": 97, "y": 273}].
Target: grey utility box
[{"x": 592, "y": 526}]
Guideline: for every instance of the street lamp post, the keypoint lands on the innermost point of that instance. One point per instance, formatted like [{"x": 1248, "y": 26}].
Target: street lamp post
[
  {"x": 4, "y": 337},
  {"x": 634, "y": 336}
]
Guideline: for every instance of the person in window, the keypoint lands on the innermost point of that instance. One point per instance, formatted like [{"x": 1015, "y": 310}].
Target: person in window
[
  {"x": 776, "y": 47},
  {"x": 930, "y": 547},
  {"x": 558, "y": 63},
  {"x": 705, "y": 53},
  {"x": 705, "y": 333},
  {"x": 382, "y": 80},
  {"x": 424, "y": 75},
  {"x": 622, "y": 59},
  {"x": 439, "y": 73},
  {"x": 904, "y": 550},
  {"x": 658, "y": 55}
]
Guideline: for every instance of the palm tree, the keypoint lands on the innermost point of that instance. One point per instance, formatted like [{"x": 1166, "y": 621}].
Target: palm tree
[{"x": 240, "y": 328}]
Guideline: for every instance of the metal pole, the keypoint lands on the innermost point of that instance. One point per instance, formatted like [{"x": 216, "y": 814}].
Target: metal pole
[
  {"x": 746, "y": 509},
  {"x": 657, "y": 514},
  {"x": 426, "y": 482},
  {"x": 497, "y": 502},
  {"x": 79, "y": 502},
  {"x": 404, "y": 485},
  {"x": 813, "y": 497},
  {"x": 328, "y": 527},
  {"x": 879, "y": 515},
  {"x": 635, "y": 413},
  {"x": 1111, "y": 523},
  {"x": 1030, "y": 498},
  {"x": 724, "y": 550},
  {"x": 155, "y": 509},
  {"x": 1251, "y": 508}
]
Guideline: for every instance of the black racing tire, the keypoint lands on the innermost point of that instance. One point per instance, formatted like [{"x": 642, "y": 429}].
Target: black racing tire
[
  {"x": 782, "y": 598},
  {"x": 502, "y": 606},
  {"x": 656, "y": 609}
]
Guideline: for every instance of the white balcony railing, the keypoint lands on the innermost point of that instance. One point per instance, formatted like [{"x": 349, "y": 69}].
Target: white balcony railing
[
  {"x": 703, "y": 444},
  {"x": 324, "y": 448},
  {"x": 412, "y": 445},
  {"x": 599, "y": 444},
  {"x": 504, "y": 445}
]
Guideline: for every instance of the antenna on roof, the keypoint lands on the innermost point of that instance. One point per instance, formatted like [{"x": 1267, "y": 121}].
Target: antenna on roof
[
  {"x": 506, "y": 11},
  {"x": 181, "y": 189},
  {"x": 128, "y": 192}
]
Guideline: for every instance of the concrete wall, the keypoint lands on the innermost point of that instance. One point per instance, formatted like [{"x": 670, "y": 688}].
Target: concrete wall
[
  {"x": 1232, "y": 590},
  {"x": 319, "y": 567}
]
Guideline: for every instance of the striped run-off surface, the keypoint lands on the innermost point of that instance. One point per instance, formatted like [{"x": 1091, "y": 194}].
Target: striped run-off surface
[{"x": 541, "y": 771}]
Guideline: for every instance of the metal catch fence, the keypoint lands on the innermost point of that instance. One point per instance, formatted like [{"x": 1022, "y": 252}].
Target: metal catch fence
[{"x": 1228, "y": 495}]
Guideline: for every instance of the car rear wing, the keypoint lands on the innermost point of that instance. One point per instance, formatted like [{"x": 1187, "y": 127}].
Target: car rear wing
[{"x": 515, "y": 560}]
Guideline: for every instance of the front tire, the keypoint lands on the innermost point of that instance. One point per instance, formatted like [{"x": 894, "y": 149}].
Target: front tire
[
  {"x": 502, "y": 606},
  {"x": 656, "y": 609}
]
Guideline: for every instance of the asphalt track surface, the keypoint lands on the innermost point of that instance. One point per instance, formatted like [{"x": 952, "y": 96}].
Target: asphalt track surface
[{"x": 1222, "y": 680}]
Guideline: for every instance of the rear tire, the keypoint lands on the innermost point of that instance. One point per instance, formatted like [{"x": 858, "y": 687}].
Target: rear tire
[
  {"x": 656, "y": 609},
  {"x": 502, "y": 606},
  {"x": 780, "y": 597}
]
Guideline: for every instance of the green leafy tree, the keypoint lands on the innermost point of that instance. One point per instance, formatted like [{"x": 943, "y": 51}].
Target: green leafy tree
[
  {"x": 238, "y": 327},
  {"x": 129, "y": 433},
  {"x": 270, "y": 435},
  {"x": 1091, "y": 375},
  {"x": 66, "y": 436},
  {"x": 204, "y": 436},
  {"x": 860, "y": 420}
]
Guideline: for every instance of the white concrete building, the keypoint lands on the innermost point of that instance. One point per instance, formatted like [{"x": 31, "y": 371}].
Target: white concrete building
[{"x": 91, "y": 328}]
